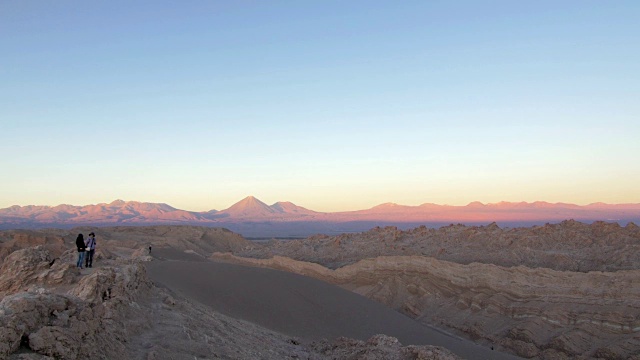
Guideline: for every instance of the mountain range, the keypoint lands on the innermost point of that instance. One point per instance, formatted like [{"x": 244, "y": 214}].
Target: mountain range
[{"x": 294, "y": 220}]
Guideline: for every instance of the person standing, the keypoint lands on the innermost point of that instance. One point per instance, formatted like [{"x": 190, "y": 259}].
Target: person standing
[
  {"x": 81, "y": 248},
  {"x": 91, "y": 248}
]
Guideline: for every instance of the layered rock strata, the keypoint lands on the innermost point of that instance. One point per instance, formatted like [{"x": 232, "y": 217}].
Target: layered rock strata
[{"x": 534, "y": 312}]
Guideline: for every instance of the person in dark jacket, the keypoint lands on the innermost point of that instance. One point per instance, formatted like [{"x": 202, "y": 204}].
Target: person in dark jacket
[{"x": 81, "y": 248}]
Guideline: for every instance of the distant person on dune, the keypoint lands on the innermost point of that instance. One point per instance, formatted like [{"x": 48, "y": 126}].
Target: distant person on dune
[
  {"x": 91, "y": 248},
  {"x": 81, "y": 248}
]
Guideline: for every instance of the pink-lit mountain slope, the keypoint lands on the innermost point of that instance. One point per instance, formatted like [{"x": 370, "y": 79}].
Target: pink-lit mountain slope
[
  {"x": 249, "y": 207},
  {"x": 252, "y": 208},
  {"x": 113, "y": 213},
  {"x": 291, "y": 208},
  {"x": 250, "y": 212},
  {"x": 504, "y": 211}
]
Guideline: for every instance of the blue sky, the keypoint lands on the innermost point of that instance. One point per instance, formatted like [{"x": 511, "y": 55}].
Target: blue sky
[{"x": 333, "y": 105}]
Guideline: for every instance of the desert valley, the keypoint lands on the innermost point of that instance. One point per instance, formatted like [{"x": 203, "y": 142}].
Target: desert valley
[
  {"x": 563, "y": 290},
  {"x": 433, "y": 180}
]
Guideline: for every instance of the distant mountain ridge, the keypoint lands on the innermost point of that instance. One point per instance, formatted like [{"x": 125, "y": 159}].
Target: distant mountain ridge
[
  {"x": 116, "y": 211},
  {"x": 251, "y": 210}
]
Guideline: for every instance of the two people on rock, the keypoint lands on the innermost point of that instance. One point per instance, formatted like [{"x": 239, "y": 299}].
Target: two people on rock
[{"x": 86, "y": 249}]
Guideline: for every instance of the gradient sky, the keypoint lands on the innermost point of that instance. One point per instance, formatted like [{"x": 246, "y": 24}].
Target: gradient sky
[{"x": 333, "y": 105}]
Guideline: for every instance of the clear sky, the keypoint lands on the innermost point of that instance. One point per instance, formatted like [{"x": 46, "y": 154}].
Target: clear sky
[{"x": 333, "y": 105}]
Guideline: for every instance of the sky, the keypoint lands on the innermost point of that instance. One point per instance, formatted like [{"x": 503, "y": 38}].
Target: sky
[{"x": 332, "y": 105}]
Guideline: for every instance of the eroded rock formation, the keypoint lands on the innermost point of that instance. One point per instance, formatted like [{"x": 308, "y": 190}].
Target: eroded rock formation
[
  {"x": 86, "y": 321},
  {"x": 13, "y": 240},
  {"x": 570, "y": 245},
  {"x": 34, "y": 266}
]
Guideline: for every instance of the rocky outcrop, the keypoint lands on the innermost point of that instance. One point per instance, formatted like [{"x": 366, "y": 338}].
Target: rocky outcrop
[
  {"x": 34, "y": 266},
  {"x": 120, "y": 283},
  {"x": 568, "y": 246},
  {"x": 531, "y": 311},
  {"x": 59, "y": 326},
  {"x": 13, "y": 240},
  {"x": 49, "y": 308},
  {"x": 142, "y": 254},
  {"x": 85, "y": 322}
]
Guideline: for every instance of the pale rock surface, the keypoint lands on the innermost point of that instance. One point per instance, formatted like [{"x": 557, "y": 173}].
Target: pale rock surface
[
  {"x": 34, "y": 266},
  {"x": 61, "y": 326},
  {"x": 142, "y": 254}
]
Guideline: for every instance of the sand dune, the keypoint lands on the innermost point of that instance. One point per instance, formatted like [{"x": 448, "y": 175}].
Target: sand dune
[{"x": 296, "y": 305}]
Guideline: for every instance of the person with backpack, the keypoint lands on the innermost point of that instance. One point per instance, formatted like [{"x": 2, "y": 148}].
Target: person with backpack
[
  {"x": 91, "y": 248},
  {"x": 81, "y": 248}
]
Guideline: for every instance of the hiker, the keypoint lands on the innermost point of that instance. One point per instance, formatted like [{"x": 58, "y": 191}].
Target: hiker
[
  {"x": 81, "y": 248},
  {"x": 91, "y": 248}
]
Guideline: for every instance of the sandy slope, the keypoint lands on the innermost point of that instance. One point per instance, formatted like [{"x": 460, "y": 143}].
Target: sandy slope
[{"x": 295, "y": 304}]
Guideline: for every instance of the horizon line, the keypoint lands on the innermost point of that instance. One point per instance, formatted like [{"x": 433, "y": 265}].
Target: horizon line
[{"x": 476, "y": 202}]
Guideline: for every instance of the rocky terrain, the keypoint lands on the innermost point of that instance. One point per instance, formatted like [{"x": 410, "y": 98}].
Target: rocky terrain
[
  {"x": 569, "y": 290},
  {"x": 122, "y": 241},
  {"x": 569, "y": 245},
  {"x": 558, "y": 291},
  {"x": 51, "y": 310},
  {"x": 534, "y": 312}
]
